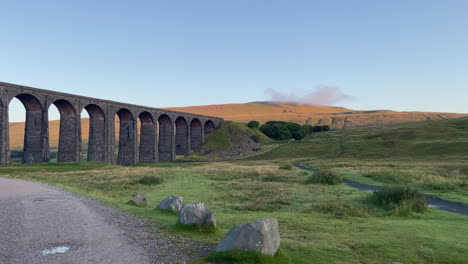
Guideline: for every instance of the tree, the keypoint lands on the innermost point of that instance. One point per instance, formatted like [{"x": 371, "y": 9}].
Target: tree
[
  {"x": 253, "y": 124},
  {"x": 282, "y": 131},
  {"x": 268, "y": 130}
]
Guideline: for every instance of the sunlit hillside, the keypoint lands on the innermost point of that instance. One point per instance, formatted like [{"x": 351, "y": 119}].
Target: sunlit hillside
[{"x": 336, "y": 117}]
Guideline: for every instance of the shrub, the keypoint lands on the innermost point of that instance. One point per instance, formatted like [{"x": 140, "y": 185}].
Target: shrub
[
  {"x": 298, "y": 135},
  {"x": 269, "y": 130},
  {"x": 253, "y": 124},
  {"x": 255, "y": 138},
  {"x": 286, "y": 166},
  {"x": 399, "y": 198},
  {"x": 324, "y": 177},
  {"x": 149, "y": 180}
]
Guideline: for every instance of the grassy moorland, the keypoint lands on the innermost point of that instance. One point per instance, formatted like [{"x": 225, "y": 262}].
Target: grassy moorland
[{"x": 318, "y": 223}]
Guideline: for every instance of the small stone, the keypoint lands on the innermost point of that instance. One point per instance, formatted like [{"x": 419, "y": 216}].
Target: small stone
[
  {"x": 173, "y": 203},
  {"x": 261, "y": 236},
  {"x": 138, "y": 199},
  {"x": 196, "y": 213}
]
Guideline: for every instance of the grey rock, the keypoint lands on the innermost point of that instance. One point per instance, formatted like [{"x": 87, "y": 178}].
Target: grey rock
[
  {"x": 173, "y": 203},
  {"x": 138, "y": 199},
  {"x": 196, "y": 213},
  {"x": 261, "y": 236}
]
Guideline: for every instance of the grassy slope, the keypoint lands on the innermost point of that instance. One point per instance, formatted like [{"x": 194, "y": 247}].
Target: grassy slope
[
  {"x": 220, "y": 140},
  {"x": 318, "y": 224},
  {"x": 431, "y": 155}
]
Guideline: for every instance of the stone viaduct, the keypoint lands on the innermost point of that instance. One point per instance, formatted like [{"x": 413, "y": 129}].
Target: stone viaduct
[{"x": 163, "y": 133}]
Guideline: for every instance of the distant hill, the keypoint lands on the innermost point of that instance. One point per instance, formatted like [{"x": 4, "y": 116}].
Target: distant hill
[{"x": 335, "y": 117}]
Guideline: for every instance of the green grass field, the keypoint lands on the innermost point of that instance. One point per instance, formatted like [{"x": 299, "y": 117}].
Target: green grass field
[{"x": 318, "y": 223}]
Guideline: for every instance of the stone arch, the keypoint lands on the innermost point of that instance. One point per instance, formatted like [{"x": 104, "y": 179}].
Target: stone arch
[
  {"x": 181, "y": 137},
  {"x": 166, "y": 134},
  {"x": 196, "y": 134},
  {"x": 147, "y": 137},
  {"x": 97, "y": 133},
  {"x": 69, "y": 143},
  {"x": 127, "y": 138},
  {"x": 36, "y": 135},
  {"x": 209, "y": 127}
]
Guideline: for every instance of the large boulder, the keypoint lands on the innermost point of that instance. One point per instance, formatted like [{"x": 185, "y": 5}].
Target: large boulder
[
  {"x": 138, "y": 199},
  {"x": 196, "y": 214},
  {"x": 261, "y": 236},
  {"x": 172, "y": 203}
]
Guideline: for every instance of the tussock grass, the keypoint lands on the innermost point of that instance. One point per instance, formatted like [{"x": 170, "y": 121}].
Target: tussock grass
[
  {"x": 149, "y": 180},
  {"x": 401, "y": 199},
  {"x": 286, "y": 166},
  {"x": 324, "y": 177}
]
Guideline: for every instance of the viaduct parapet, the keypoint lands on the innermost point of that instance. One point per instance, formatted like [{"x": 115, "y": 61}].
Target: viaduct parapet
[{"x": 163, "y": 133}]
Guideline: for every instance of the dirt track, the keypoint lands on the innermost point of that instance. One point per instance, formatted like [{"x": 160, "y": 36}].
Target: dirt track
[{"x": 36, "y": 217}]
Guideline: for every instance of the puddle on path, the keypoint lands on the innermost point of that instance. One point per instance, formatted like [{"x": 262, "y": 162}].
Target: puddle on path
[{"x": 55, "y": 250}]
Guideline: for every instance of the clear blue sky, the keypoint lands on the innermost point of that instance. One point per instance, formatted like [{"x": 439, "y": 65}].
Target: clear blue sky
[{"x": 400, "y": 55}]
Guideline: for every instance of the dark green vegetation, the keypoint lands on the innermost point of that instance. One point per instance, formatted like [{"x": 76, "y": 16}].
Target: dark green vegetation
[
  {"x": 319, "y": 223},
  {"x": 247, "y": 257},
  {"x": 325, "y": 177},
  {"x": 281, "y": 130},
  {"x": 400, "y": 198},
  {"x": 285, "y": 166},
  {"x": 149, "y": 180},
  {"x": 253, "y": 124}
]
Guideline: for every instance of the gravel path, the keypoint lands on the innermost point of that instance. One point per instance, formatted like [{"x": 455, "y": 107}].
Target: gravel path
[{"x": 38, "y": 221}]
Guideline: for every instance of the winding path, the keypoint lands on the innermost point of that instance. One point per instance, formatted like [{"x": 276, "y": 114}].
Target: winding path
[{"x": 433, "y": 202}]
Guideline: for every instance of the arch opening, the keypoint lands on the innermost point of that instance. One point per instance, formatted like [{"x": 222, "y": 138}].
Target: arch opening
[
  {"x": 35, "y": 143},
  {"x": 147, "y": 137},
  {"x": 127, "y": 138},
  {"x": 181, "y": 137},
  {"x": 16, "y": 127},
  {"x": 69, "y": 127},
  {"x": 94, "y": 146},
  {"x": 196, "y": 132},
  {"x": 165, "y": 146},
  {"x": 209, "y": 127}
]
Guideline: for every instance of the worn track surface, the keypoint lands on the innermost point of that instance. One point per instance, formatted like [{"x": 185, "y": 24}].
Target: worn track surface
[{"x": 35, "y": 217}]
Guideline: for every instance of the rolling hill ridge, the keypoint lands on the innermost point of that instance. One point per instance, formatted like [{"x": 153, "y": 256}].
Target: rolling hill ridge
[{"x": 335, "y": 117}]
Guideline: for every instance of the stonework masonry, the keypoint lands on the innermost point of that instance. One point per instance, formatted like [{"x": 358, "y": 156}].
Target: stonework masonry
[{"x": 163, "y": 133}]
